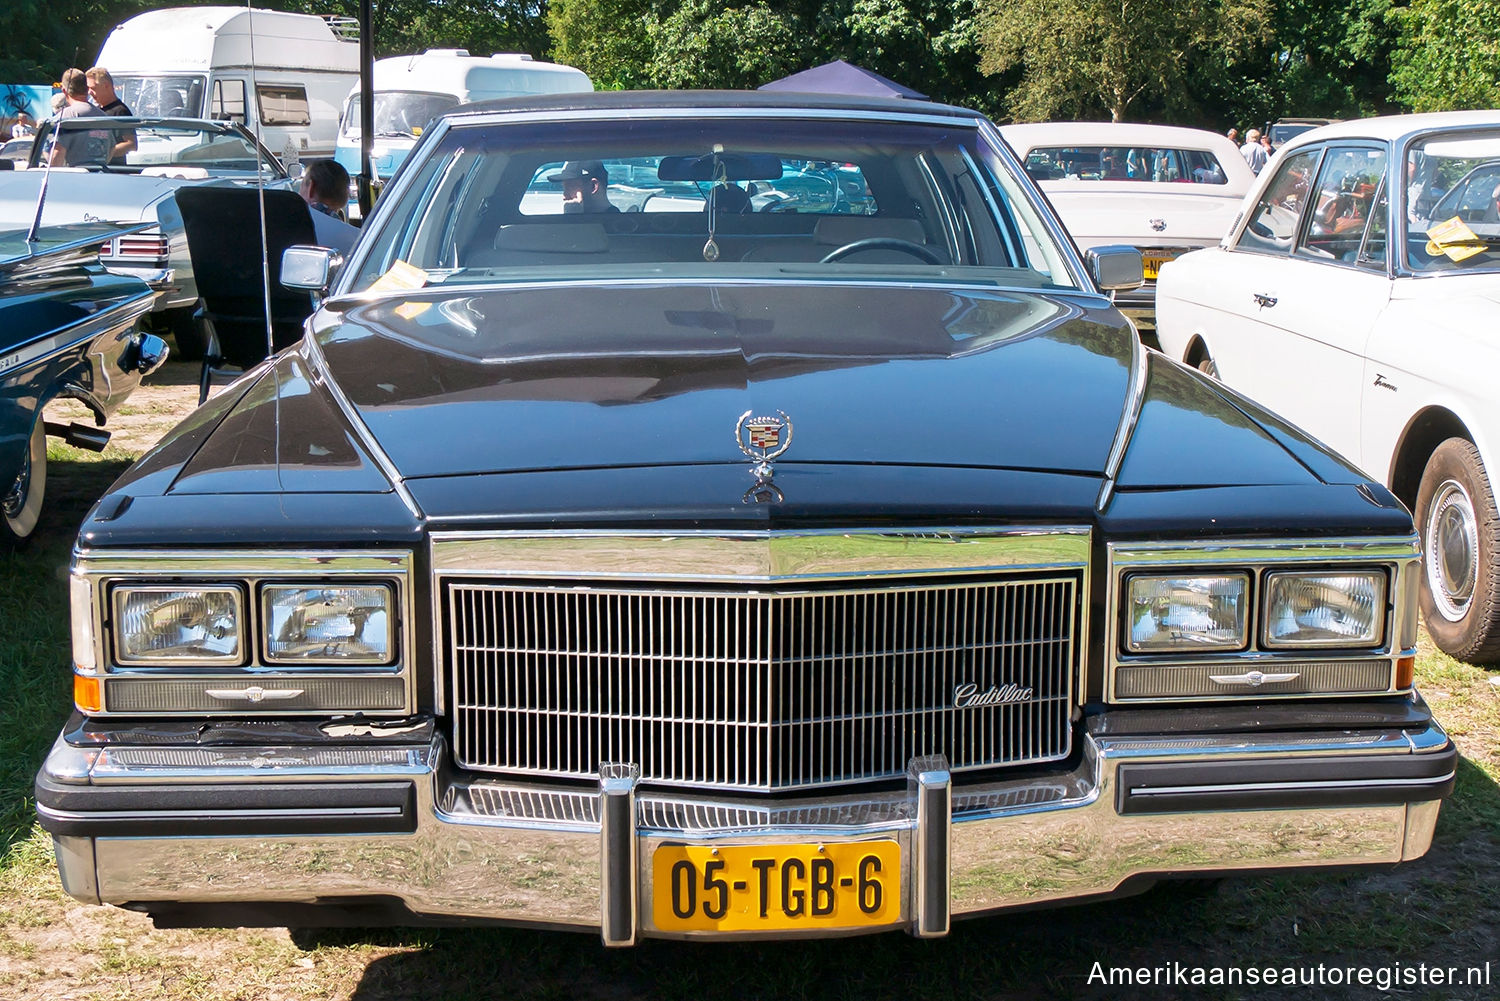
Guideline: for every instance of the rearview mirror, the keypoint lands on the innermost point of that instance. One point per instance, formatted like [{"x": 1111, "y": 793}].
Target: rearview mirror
[
  {"x": 720, "y": 167},
  {"x": 1116, "y": 267},
  {"x": 310, "y": 268}
]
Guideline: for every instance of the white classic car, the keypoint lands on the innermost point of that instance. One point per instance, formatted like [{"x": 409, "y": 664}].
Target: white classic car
[
  {"x": 1162, "y": 189},
  {"x": 1384, "y": 349}
]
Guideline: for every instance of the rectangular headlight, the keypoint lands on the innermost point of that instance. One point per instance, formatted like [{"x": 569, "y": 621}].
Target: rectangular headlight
[
  {"x": 329, "y": 624},
  {"x": 1187, "y": 613},
  {"x": 179, "y": 625},
  {"x": 1343, "y": 609}
]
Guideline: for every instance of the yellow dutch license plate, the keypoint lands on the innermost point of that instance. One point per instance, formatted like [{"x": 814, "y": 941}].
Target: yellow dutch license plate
[
  {"x": 776, "y": 887},
  {"x": 1151, "y": 264}
]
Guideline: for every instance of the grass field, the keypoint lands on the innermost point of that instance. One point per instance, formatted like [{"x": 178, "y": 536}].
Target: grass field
[{"x": 1443, "y": 910}]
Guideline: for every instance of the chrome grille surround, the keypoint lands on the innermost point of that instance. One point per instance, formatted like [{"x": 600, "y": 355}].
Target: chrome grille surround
[
  {"x": 1322, "y": 673},
  {"x": 811, "y": 658}
]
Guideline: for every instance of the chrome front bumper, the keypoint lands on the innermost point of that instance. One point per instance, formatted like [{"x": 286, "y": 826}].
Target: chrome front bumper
[{"x": 276, "y": 834}]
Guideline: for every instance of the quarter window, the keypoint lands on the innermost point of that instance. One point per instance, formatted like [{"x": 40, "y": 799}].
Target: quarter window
[
  {"x": 1272, "y": 228},
  {"x": 282, "y": 105}
]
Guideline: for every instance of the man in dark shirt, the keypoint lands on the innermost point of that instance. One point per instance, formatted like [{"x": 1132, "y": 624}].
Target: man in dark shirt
[{"x": 102, "y": 90}]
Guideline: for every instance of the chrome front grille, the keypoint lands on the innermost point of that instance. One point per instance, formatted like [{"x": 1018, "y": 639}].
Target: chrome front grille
[{"x": 774, "y": 689}]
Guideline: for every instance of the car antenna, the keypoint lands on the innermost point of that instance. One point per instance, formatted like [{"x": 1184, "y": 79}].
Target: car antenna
[
  {"x": 41, "y": 195},
  {"x": 260, "y": 190}
]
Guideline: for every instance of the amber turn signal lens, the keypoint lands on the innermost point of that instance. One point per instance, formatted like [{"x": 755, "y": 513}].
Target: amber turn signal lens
[
  {"x": 1406, "y": 670},
  {"x": 86, "y": 694}
]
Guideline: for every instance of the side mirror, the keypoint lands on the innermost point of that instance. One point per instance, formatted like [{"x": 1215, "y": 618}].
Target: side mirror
[
  {"x": 295, "y": 170},
  {"x": 310, "y": 269},
  {"x": 1116, "y": 268}
]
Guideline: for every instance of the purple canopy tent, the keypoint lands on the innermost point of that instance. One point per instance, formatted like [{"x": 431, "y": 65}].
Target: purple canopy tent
[{"x": 839, "y": 77}]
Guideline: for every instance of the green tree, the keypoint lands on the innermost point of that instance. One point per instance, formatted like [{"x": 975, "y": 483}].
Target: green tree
[
  {"x": 607, "y": 39},
  {"x": 1082, "y": 57},
  {"x": 707, "y": 43},
  {"x": 1448, "y": 55}
]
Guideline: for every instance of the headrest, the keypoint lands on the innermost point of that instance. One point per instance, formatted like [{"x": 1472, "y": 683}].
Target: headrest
[{"x": 553, "y": 238}]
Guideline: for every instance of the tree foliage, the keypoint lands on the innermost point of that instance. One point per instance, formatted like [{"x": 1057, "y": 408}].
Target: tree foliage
[
  {"x": 1079, "y": 57},
  {"x": 1448, "y": 55}
]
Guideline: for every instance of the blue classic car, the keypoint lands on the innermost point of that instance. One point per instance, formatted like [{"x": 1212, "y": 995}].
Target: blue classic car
[
  {"x": 67, "y": 329},
  {"x": 727, "y": 573}
]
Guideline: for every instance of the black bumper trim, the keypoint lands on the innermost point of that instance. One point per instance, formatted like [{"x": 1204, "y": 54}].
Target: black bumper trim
[
  {"x": 290, "y": 808},
  {"x": 1287, "y": 783}
]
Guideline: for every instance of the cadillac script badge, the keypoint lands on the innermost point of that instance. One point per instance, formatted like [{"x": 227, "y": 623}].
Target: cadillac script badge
[{"x": 763, "y": 439}]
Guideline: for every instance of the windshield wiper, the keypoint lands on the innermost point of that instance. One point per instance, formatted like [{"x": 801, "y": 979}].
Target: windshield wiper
[{"x": 395, "y": 135}]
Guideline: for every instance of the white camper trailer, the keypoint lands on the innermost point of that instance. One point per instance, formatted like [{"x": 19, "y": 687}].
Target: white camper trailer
[
  {"x": 410, "y": 91},
  {"x": 281, "y": 75}
]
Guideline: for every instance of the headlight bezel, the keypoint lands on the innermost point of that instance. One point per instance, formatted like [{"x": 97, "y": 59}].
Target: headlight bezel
[
  {"x": 1380, "y": 622},
  {"x": 271, "y": 659},
  {"x": 324, "y": 687},
  {"x": 1244, "y": 626},
  {"x": 1253, "y": 671}
]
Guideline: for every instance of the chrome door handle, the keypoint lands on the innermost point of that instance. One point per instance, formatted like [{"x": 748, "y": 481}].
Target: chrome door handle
[{"x": 1264, "y": 301}]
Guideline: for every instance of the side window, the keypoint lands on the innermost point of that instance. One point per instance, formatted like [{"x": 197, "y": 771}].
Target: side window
[
  {"x": 228, "y": 101},
  {"x": 1341, "y": 204},
  {"x": 1272, "y": 228},
  {"x": 1372, "y": 254},
  {"x": 282, "y": 104}
]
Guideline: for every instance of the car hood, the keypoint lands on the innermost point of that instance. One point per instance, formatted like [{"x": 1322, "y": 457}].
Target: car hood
[
  {"x": 1098, "y": 212},
  {"x": 595, "y": 376}
]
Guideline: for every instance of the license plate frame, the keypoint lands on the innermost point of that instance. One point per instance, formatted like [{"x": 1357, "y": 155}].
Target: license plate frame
[{"x": 809, "y": 886}]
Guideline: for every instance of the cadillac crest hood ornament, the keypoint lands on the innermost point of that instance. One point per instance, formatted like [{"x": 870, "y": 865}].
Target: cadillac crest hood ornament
[{"x": 763, "y": 439}]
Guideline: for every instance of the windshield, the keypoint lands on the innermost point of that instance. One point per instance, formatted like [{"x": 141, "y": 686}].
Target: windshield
[
  {"x": 762, "y": 197},
  {"x": 1453, "y": 202},
  {"x": 1124, "y": 163},
  {"x": 144, "y": 146},
  {"x": 399, "y": 113},
  {"x": 163, "y": 96}
]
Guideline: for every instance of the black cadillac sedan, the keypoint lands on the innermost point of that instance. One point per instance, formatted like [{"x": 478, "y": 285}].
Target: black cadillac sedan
[{"x": 727, "y": 515}]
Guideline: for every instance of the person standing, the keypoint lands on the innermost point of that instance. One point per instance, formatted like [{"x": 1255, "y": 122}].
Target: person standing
[
  {"x": 102, "y": 91},
  {"x": 1254, "y": 153},
  {"x": 1234, "y": 135},
  {"x": 76, "y": 147}
]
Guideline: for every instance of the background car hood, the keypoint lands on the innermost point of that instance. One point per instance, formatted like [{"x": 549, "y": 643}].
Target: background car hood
[
  {"x": 567, "y": 377},
  {"x": 1097, "y": 212}
]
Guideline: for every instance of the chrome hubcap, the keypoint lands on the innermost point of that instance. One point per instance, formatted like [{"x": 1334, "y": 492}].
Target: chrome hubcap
[{"x": 1451, "y": 552}]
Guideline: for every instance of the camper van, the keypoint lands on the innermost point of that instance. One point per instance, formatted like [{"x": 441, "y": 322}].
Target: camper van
[
  {"x": 283, "y": 76},
  {"x": 411, "y": 91}
]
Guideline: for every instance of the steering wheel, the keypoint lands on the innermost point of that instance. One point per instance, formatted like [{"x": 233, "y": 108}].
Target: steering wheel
[{"x": 882, "y": 243}]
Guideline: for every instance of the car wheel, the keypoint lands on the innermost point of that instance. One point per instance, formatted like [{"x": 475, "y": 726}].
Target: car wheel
[
  {"x": 21, "y": 501},
  {"x": 1460, "y": 545},
  {"x": 185, "y": 331},
  {"x": 1207, "y": 366}
]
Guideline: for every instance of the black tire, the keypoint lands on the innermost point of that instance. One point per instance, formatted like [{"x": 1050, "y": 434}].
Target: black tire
[
  {"x": 21, "y": 499},
  {"x": 1460, "y": 531},
  {"x": 190, "y": 343}
]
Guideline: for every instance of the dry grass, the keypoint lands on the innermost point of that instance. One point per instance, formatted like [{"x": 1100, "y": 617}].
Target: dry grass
[{"x": 1443, "y": 909}]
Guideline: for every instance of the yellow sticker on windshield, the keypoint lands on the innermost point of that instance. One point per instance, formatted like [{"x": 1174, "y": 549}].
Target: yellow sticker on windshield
[
  {"x": 1455, "y": 239},
  {"x": 400, "y": 276}
]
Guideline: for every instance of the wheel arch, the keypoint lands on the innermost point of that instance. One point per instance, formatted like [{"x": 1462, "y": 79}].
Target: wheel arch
[
  {"x": 1197, "y": 350},
  {"x": 1426, "y": 430}
]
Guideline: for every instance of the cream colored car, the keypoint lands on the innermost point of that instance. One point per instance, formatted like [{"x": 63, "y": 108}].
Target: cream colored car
[
  {"x": 1385, "y": 349},
  {"x": 1162, "y": 189}
]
